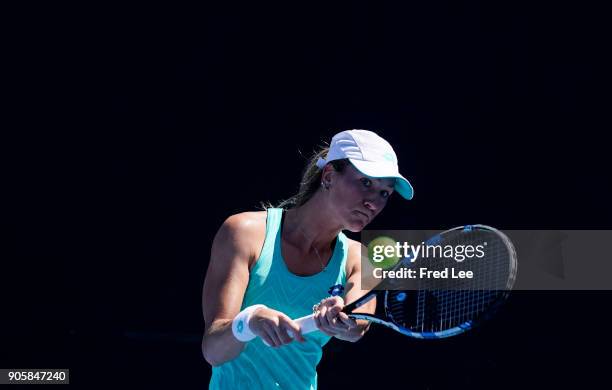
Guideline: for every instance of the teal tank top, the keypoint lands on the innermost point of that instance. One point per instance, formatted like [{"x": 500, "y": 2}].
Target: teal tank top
[{"x": 292, "y": 366}]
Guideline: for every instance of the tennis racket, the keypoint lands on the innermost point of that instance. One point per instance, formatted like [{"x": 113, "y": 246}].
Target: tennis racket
[{"x": 435, "y": 312}]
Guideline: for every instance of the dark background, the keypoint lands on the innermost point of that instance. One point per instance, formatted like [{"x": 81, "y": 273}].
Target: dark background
[{"x": 133, "y": 132}]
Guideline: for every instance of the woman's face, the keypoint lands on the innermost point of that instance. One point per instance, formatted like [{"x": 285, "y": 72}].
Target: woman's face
[{"x": 357, "y": 199}]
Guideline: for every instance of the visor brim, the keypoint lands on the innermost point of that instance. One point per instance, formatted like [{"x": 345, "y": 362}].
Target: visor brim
[{"x": 381, "y": 170}]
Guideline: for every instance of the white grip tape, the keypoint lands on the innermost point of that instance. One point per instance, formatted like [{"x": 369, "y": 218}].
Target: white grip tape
[
  {"x": 307, "y": 324},
  {"x": 240, "y": 324}
]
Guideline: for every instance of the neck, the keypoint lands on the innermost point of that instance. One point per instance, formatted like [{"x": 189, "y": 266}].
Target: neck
[{"x": 311, "y": 225}]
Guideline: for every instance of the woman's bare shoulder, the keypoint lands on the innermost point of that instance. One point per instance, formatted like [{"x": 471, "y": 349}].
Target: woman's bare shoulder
[
  {"x": 354, "y": 247},
  {"x": 243, "y": 232},
  {"x": 246, "y": 222},
  {"x": 353, "y": 260}
]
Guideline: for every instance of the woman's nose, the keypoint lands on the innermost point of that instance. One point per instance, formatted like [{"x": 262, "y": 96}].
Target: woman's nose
[{"x": 370, "y": 205}]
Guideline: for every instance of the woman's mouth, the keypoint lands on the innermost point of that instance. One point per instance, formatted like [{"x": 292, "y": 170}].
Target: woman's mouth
[{"x": 367, "y": 217}]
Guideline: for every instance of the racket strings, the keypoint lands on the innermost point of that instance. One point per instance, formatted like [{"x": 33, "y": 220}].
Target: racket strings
[{"x": 441, "y": 306}]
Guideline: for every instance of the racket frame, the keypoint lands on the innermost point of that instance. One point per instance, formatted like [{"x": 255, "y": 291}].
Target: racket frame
[{"x": 458, "y": 329}]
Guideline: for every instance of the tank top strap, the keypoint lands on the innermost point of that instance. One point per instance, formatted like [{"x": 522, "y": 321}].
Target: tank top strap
[{"x": 273, "y": 222}]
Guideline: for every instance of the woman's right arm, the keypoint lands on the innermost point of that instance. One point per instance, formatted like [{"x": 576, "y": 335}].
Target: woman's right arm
[{"x": 226, "y": 281}]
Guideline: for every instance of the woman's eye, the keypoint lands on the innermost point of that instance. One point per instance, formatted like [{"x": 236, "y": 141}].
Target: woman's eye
[
  {"x": 384, "y": 194},
  {"x": 366, "y": 182}
]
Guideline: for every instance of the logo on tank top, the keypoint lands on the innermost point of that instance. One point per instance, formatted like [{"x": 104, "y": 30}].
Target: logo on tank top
[{"x": 335, "y": 290}]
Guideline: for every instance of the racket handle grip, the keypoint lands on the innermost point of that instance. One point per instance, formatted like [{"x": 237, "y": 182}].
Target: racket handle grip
[{"x": 307, "y": 324}]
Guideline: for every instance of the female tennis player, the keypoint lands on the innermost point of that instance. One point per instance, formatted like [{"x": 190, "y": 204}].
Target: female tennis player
[{"x": 269, "y": 267}]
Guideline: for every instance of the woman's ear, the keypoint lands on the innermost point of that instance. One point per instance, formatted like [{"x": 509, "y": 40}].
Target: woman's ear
[{"x": 327, "y": 176}]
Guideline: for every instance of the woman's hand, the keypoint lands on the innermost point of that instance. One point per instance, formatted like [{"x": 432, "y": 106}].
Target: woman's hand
[
  {"x": 272, "y": 327},
  {"x": 331, "y": 320}
]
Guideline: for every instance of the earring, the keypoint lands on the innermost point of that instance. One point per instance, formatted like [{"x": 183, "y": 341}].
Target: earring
[{"x": 326, "y": 186}]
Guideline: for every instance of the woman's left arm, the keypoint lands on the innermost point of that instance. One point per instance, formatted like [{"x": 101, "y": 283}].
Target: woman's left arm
[{"x": 330, "y": 318}]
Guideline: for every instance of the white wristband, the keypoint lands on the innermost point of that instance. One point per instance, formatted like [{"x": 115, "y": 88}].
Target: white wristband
[{"x": 240, "y": 324}]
